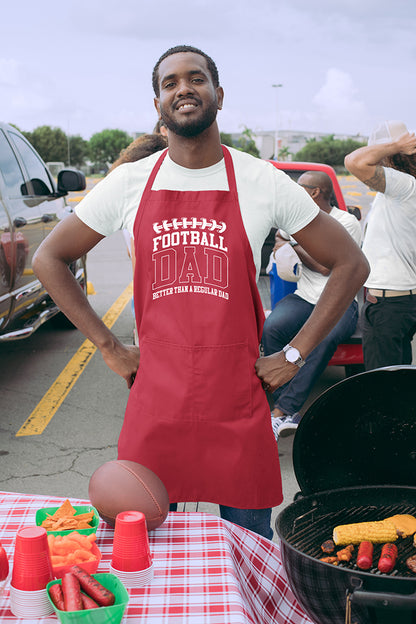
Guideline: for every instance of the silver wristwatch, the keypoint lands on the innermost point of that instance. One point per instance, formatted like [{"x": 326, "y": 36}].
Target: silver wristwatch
[{"x": 293, "y": 356}]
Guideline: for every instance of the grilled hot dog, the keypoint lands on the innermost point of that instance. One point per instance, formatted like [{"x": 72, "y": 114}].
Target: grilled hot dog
[
  {"x": 88, "y": 602},
  {"x": 388, "y": 558},
  {"x": 57, "y": 596},
  {"x": 93, "y": 588},
  {"x": 365, "y": 556},
  {"x": 72, "y": 592}
]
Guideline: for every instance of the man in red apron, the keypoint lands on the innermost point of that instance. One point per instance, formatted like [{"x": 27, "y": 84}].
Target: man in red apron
[{"x": 197, "y": 413}]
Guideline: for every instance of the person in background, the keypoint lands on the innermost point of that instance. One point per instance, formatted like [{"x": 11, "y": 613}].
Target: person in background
[
  {"x": 291, "y": 312},
  {"x": 197, "y": 414},
  {"x": 143, "y": 146},
  {"x": 160, "y": 128},
  {"x": 388, "y": 165}
]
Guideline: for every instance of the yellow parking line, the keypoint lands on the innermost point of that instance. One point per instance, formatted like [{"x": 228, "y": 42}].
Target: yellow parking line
[{"x": 54, "y": 397}]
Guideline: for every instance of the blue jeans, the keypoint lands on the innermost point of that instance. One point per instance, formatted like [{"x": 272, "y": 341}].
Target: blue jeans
[
  {"x": 257, "y": 520},
  {"x": 284, "y": 322}
]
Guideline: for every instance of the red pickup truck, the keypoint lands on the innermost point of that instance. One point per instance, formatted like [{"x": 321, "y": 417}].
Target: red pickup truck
[{"x": 350, "y": 354}]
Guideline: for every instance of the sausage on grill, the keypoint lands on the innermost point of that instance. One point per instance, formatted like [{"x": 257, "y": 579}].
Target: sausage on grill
[
  {"x": 388, "y": 558},
  {"x": 365, "y": 555}
]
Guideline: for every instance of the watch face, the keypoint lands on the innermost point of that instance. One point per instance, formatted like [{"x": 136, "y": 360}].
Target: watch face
[{"x": 292, "y": 355}]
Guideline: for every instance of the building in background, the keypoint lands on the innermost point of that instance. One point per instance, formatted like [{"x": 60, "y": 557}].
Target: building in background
[{"x": 290, "y": 141}]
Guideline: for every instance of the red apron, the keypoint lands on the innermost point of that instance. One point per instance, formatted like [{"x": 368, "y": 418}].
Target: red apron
[{"x": 197, "y": 414}]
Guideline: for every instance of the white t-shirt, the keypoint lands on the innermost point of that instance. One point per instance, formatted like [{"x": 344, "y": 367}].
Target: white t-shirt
[
  {"x": 390, "y": 239},
  {"x": 267, "y": 196},
  {"x": 312, "y": 283}
]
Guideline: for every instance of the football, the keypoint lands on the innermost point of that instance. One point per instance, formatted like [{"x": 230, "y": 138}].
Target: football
[{"x": 123, "y": 485}]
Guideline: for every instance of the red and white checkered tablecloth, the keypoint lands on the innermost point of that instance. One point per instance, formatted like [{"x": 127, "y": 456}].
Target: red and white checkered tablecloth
[{"x": 206, "y": 570}]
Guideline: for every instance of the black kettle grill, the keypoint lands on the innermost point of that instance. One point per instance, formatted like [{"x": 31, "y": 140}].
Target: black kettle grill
[{"x": 354, "y": 457}]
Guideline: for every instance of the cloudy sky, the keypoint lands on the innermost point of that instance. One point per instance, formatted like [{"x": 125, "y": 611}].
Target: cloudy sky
[{"x": 85, "y": 65}]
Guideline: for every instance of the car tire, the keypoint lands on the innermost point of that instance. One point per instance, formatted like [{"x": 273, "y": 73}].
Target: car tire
[
  {"x": 4, "y": 270},
  {"x": 60, "y": 321}
]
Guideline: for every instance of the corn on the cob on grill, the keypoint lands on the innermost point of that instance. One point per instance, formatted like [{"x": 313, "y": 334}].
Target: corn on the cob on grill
[
  {"x": 376, "y": 532},
  {"x": 405, "y": 524}
]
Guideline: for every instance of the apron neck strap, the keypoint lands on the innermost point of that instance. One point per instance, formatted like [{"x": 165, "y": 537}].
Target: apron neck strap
[
  {"x": 156, "y": 168},
  {"x": 229, "y": 167}
]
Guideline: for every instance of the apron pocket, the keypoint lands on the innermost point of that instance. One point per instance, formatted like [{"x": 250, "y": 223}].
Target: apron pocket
[
  {"x": 164, "y": 380},
  {"x": 222, "y": 379},
  {"x": 180, "y": 383}
]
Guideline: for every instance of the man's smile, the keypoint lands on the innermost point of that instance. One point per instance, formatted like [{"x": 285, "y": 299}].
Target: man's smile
[{"x": 186, "y": 105}]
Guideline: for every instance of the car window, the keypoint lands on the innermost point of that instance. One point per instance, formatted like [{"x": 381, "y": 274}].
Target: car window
[
  {"x": 295, "y": 175},
  {"x": 38, "y": 175},
  {"x": 10, "y": 169}
]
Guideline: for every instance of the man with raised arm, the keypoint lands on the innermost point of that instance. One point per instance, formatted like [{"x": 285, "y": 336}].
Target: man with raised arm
[{"x": 388, "y": 165}]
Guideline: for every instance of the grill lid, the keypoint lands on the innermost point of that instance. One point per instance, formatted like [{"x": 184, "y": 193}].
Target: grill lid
[{"x": 361, "y": 431}]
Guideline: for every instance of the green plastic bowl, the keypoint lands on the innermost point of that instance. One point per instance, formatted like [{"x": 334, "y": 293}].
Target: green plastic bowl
[
  {"x": 102, "y": 615},
  {"x": 44, "y": 512}
]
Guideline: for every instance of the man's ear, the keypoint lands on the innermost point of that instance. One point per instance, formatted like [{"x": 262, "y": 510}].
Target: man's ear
[
  {"x": 157, "y": 106},
  {"x": 315, "y": 192},
  {"x": 220, "y": 96}
]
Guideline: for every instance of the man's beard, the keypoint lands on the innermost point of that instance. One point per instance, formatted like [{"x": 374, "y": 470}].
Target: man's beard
[{"x": 191, "y": 128}]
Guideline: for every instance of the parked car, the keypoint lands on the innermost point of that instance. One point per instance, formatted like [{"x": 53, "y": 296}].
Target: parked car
[
  {"x": 31, "y": 204},
  {"x": 349, "y": 354}
]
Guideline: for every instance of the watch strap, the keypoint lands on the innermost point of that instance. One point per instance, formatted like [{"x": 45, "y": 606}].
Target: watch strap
[{"x": 299, "y": 361}]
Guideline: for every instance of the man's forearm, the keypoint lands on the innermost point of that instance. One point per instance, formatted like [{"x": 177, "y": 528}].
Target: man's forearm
[
  {"x": 309, "y": 262},
  {"x": 365, "y": 162},
  {"x": 69, "y": 297},
  {"x": 371, "y": 154},
  {"x": 341, "y": 288}
]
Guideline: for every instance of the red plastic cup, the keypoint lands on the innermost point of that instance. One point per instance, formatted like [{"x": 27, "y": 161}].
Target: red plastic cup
[
  {"x": 131, "y": 550},
  {"x": 32, "y": 568}
]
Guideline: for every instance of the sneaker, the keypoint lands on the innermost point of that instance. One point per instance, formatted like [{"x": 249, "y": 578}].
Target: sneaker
[
  {"x": 288, "y": 425},
  {"x": 276, "y": 423}
]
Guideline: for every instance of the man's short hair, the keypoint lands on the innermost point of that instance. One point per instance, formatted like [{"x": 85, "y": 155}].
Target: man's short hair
[
  {"x": 323, "y": 181},
  {"x": 184, "y": 48}
]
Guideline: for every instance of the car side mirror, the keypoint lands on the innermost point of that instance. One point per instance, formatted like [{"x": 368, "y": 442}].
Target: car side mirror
[{"x": 71, "y": 180}]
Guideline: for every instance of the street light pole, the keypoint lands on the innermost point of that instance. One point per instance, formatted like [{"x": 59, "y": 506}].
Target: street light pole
[
  {"x": 276, "y": 133},
  {"x": 68, "y": 147}
]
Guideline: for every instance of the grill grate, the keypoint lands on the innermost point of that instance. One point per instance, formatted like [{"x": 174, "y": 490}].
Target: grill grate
[{"x": 313, "y": 528}]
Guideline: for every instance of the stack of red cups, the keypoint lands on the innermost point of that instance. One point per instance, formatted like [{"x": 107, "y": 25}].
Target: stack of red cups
[
  {"x": 131, "y": 560},
  {"x": 32, "y": 571}
]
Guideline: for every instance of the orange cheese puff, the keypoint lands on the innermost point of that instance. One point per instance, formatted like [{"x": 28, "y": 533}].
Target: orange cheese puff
[
  {"x": 83, "y": 555},
  {"x": 65, "y": 547},
  {"x": 57, "y": 560},
  {"x": 82, "y": 540}
]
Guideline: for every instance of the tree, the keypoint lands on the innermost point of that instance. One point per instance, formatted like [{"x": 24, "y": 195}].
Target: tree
[
  {"x": 104, "y": 147},
  {"x": 284, "y": 153},
  {"x": 226, "y": 139},
  {"x": 78, "y": 150},
  {"x": 246, "y": 143},
  {"x": 51, "y": 143},
  {"x": 327, "y": 150}
]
